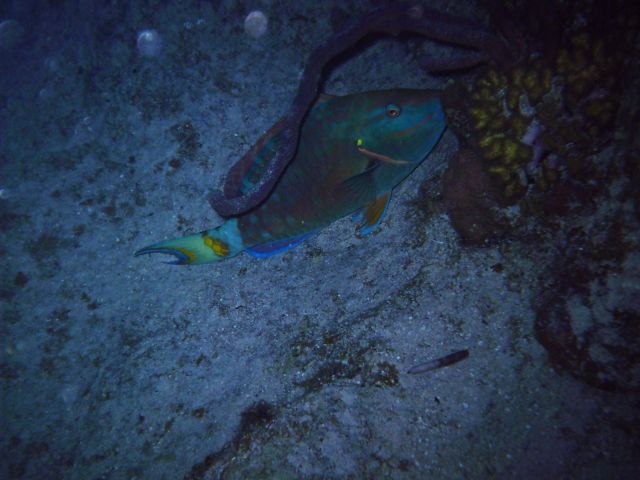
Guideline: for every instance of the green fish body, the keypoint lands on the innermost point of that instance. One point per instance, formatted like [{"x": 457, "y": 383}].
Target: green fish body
[{"x": 352, "y": 152}]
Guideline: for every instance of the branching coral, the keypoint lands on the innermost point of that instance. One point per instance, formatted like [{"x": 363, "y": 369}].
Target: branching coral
[{"x": 392, "y": 19}]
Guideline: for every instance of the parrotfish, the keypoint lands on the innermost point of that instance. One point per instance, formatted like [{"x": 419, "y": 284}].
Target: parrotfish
[{"x": 353, "y": 150}]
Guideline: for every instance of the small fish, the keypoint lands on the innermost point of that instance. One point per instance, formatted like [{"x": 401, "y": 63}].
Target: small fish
[
  {"x": 436, "y": 363},
  {"x": 353, "y": 151}
]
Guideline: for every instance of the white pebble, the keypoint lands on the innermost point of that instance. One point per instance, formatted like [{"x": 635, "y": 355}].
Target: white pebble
[
  {"x": 11, "y": 34},
  {"x": 255, "y": 25},
  {"x": 149, "y": 43}
]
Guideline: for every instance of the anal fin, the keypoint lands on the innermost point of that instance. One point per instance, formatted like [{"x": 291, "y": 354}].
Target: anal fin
[{"x": 371, "y": 215}]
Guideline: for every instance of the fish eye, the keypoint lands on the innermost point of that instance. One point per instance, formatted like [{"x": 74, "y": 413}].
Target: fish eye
[{"x": 393, "y": 110}]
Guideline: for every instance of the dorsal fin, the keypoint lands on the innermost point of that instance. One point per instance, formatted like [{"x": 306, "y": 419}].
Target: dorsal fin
[{"x": 248, "y": 171}]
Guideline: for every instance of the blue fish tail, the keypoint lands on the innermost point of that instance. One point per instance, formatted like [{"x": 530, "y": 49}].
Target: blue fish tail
[{"x": 207, "y": 246}]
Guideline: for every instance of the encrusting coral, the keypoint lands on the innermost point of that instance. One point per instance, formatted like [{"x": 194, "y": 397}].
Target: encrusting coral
[{"x": 540, "y": 121}]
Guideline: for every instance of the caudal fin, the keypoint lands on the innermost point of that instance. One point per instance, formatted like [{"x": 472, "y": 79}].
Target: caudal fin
[{"x": 204, "y": 247}]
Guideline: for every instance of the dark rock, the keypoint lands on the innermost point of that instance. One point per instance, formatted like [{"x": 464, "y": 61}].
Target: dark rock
[{"x": 470, "y": 200}]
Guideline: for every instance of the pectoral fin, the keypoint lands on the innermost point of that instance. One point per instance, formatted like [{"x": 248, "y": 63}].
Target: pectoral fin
[
  {"x": 371, "y": 215},
  {"x": 359, "y": 187}
]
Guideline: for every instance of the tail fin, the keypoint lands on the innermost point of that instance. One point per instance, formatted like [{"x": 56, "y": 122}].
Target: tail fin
[{"x": 204, "y": 247}]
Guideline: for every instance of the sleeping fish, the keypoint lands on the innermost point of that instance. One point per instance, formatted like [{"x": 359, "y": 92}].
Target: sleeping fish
[{"x": 353, "y": 150}]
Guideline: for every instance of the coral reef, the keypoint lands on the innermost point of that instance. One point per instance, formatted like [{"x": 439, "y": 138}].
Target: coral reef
[
  {"x": 540, "y": 122},
  {"x": 588, "y": 317},
  {"x": 554, "y": 136}
]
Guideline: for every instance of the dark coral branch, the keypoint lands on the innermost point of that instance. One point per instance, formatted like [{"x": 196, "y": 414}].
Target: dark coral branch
[
  {"x": 392, "y": 19},
  {"x": 460, "y": 62}
]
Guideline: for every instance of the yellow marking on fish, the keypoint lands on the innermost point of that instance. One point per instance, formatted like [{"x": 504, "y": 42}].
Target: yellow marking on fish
[{"x": 220, "y": 248}]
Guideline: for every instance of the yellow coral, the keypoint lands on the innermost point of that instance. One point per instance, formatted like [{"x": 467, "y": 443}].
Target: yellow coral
[
  {"x": 500, "y": 171},
  {"x": 556, "y": 93}
]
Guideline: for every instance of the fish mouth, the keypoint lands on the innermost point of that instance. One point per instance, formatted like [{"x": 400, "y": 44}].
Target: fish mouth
[
  {"x": 381, "y": 157},
  {"x": 181, "y": 257}
]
